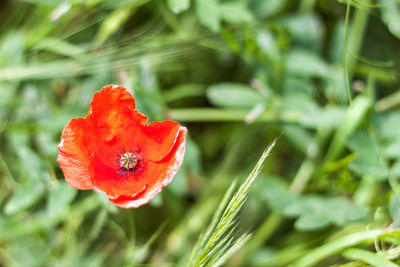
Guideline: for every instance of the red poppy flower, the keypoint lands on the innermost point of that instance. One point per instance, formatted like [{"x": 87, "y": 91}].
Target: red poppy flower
[{"x": 113, "y": 150}]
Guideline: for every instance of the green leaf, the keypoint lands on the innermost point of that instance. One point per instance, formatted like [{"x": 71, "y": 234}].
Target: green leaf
[
  {"x": 334, "y": 84},
  {"x": 24, "y": 197},
  {"x": 296, "y": 208},
  {"x": 113, "y": 22},
  {"x": 234, "y": 95},
  {"x": 273, "y": 191},
  {"x": 11, "y": 49},
  {"x": 305, "y": 63},
  {"x": 388, "y": 134},
  {"x": 178, "y": 6},
  {"x": 235, "y": 13},
  {"x": 42, "y": 221},
  {"x": 147, "y": 92},
  {"x": 353, "y": 118},
  {"x": 300, "y": 138},
  {"x": 301, "y": 103},
  {"x": 341, "y": 211},
  {"x": 368, "y": 160},
  {"x": 391, "y": 15},
  {"x": 374, "y": 259},
  {"x": 268, "y": 45},
  {"x": 323, "y": 118},
  {"x": 324, "y": 210},
  {"x": 29, "y": 251},
  {"x": 305, "y": 29},
  {"x": 208, "y": 14},
  {"x": 184, "y": 90},
  {"x": 311, "y": 222},
  {"x": 60, "y": 197},
  {"x": 266, "y": 8},
  {"x": 385, "y": 123},
  {"x": 263, "y": 256},
  {"x": 336, "y": 46},
  {"x": 391, "y": 148},
  {"x": 299, "y": 100},
  {"x": 295, "y": 86},
  {"x": 31, "y": 164}
]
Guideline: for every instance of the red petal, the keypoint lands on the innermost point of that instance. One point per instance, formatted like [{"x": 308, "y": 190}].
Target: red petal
[
  {"x": 113, "y": 108},
  {"x": 107, "y": 177},
  {"x": 158, "y": 175},
  {"x": 111, "y": 96},
  {"x": 89, "y": 149},
  {"x": 73, "y": 154},
  {"x": 154, "y": 141}
]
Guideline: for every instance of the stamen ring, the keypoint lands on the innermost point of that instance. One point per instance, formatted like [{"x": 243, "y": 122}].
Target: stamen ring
[{"x": 128, "y": 160}]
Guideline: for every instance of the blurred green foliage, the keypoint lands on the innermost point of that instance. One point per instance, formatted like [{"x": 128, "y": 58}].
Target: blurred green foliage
[{"x": 238, "y": 74}]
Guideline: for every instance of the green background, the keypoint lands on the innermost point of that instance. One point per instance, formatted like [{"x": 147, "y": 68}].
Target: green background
[{"x": 323, "y": 75}]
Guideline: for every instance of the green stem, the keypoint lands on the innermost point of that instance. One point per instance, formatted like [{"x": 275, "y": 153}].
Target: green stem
[
  {"x": 365, "y": 191},
  {"x": 215, "y": 114},
  {"x": 388, "y": 102},
  {"x": 303, "y": 176},
  {"x": 354, "y": 41},
  {"x": 358, "y": 27},
  {"x": 346, "y": 70},
  {"x": 264, "y": 232},
  {"x": 374, "y": 259},
  {"x": 370, "y": 89},
  {"x": 169, "y": 18},
  {"x": 369, "y": 185},
  {"x": 338, "y": 245},
  {"x": 95, "y": 230},
  {"x": 354, "y": 117}
]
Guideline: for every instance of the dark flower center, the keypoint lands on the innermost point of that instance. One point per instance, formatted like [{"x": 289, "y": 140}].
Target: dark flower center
[{"x": 128, "y": 160}]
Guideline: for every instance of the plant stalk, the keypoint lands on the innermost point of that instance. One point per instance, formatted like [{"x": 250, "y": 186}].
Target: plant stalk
[{"x": 216, "y": 115}]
